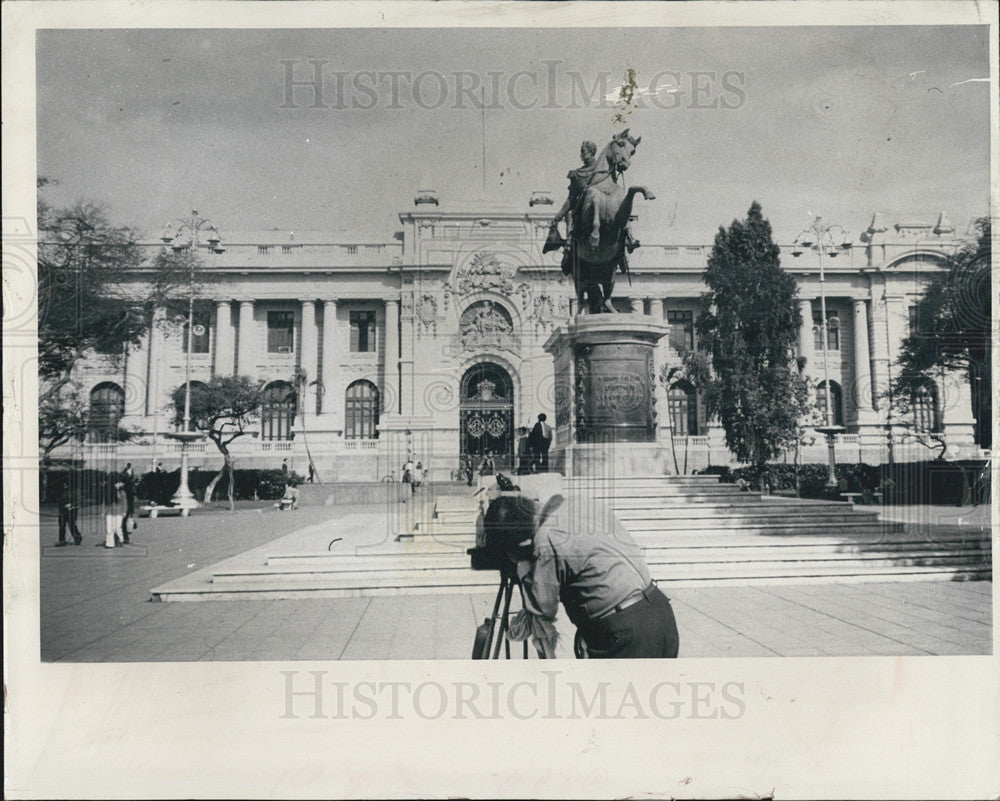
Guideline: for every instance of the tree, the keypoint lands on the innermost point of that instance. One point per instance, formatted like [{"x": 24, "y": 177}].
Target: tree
[
  {"x": 301, "y": 382},
  {"x": 952, "y": 331},
  {"x": 224, "y": 409},
  {"x": 749, "y": 326},
  {"x": 83, "y": 303}
]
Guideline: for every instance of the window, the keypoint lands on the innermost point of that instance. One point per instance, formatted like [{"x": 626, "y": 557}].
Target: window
[
  {"x": 107, "y": 407},
  {"x": 683, "y": 405},
  {"x": 926, "y": 417},
  {"x": 263, "y": 250},
  {"x": 681, "y": 329},
  {"x": 914, "y": 320},
  {"x": 836, "y": 401},
  {"x": 832, "y": 330},
  {"x": 280, "y": 331},
  {"x": 278, "y": 412},
  {"x": 201, "y": 336},
  {"x": 362, "y": 331},
  {"x": 361, "y": 417},
  {"x": 286, "y": 249}
]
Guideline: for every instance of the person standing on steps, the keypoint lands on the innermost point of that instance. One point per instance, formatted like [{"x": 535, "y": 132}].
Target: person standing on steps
[{"x": 541, "y": 438}]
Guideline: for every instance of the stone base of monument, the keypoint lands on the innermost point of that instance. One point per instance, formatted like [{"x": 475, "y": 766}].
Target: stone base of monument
[
  {"x": 624, "y": 459},
  {"x": 605, "y": 379}
]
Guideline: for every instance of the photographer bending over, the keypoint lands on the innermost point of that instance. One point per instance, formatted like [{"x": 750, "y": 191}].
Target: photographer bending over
[{"x": 574, "y": 550}]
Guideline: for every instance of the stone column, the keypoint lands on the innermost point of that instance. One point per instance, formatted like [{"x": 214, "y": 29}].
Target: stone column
[
  {"x": 637, "y": 306},
  {"x": 136, "y": 376},
  {"x": 862, "y": 359},
  {"x": 328, "y": 374},
  {"x": 655, "y": 308},
  {"x": 225, "y": 354},
  {"x": 155, "y": 364},
  {"x": 248, "y": 345},
  {"x": 308, "y": 355},
  {"x": 392, "y": 388},
  {"x": 806, "y": 349}
]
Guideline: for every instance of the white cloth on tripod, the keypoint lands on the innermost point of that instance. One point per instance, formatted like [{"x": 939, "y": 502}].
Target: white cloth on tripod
[{"x": 542, "y": 632}]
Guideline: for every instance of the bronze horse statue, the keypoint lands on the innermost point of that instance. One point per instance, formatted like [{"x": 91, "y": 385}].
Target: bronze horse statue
[{"x": 599, "y": 239}]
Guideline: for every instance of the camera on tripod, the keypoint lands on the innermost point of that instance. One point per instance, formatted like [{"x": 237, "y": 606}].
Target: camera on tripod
[{"x": 503, "y": 539}]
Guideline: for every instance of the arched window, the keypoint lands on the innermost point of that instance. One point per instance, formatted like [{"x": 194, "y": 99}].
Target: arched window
[
  {"x": 832, "y": 330},
  {"x": 926, "y": 414},
  {"x": 278, "y": 412},
  {"x": 361, "y": 414},
  {"x": 107, "y": 407},
  {"x": 836, "y": 401},
  {"x": 683, "y": 405}
]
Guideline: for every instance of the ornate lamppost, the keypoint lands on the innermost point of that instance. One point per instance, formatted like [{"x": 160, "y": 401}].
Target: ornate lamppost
[
  {"x": 825, "y": 240},
  {"x": 185, "y": 235}
]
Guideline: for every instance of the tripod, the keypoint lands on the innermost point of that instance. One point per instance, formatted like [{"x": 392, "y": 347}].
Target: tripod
[{"x": 485, "y": 633}]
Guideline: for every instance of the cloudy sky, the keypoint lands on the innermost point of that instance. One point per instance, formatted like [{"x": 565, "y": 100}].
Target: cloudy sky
[{"x": 832, "y": 121}]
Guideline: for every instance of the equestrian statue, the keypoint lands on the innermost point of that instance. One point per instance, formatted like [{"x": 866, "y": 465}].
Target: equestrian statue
[{"x": 597, "y": 211}]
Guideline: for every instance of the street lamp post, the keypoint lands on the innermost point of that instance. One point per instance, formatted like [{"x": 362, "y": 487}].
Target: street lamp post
[
  {"x": 825, "y": 240},
  {"x": 185, "y": 235}
]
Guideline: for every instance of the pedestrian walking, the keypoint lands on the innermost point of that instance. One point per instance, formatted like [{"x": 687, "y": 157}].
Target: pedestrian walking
[
  {"x": 113, "y": 501},
  {"x": 68, "y": 509}
]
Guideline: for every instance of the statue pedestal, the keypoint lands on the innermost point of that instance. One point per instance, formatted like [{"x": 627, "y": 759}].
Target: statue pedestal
[{"x": 605, "y": 379}]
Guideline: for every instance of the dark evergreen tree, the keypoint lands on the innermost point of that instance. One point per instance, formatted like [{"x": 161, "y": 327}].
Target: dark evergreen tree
[
  {"x": 749, "y": 326},
  {"x": 952, "y": 331}
]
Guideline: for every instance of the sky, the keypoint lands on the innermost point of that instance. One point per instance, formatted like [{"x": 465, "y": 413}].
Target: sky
[{"x": 837, "y": 122}]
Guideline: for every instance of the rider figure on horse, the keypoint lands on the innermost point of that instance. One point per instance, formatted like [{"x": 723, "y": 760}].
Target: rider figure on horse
[{"x": 583, "y": 248}]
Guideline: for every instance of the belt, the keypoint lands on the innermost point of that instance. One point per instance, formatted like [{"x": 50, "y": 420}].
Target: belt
[{"x": 632, "y": 600}]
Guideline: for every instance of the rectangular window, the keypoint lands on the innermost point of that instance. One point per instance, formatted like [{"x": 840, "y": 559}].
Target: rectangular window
[
  {"x": 681, "y": 329},
  {"x": 362, "y": 331},
  {"x": 263, "y": 250},
  {"x": 280, "y": 331},
  {"x": 832, "y": 330},
  {"x": 914, "y": 320},
  {"x": 201, "y": 336}
]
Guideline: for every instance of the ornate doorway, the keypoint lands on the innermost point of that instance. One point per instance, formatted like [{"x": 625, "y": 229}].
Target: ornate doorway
[{"x": 486, "y": 415}]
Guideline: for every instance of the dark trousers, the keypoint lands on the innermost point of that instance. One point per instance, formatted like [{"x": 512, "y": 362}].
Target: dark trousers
[
  {"x": 644, "y": 630},
  {"x": 67, "y": 518}
]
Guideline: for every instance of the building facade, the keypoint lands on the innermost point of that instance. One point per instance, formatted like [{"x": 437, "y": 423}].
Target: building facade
[{"x": 431, "y": 345}]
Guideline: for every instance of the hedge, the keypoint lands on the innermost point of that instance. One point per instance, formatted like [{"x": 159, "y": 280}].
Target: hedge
[
  {"x": 265, "y": 485},
  {"x": 931, "y": 482}
]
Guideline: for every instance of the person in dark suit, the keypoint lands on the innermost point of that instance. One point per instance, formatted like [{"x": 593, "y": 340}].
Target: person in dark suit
[
  {"x": 523, "y": 451},
  {"x": 68, "y": 508},
  {"x": 541, "y": 439}
]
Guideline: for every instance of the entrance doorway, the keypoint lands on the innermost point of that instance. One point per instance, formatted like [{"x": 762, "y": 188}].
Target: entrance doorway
[{"x": 486, "y": 415}]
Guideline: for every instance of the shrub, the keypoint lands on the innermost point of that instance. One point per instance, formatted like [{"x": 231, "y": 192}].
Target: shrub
[{"x": 268, "y": 485}]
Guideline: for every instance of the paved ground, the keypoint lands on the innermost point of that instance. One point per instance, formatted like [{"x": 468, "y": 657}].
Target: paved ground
[{"x": 95, "y": 605}]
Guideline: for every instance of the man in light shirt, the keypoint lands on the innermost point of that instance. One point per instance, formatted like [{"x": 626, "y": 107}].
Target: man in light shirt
[{"x": 582, "y": 556}]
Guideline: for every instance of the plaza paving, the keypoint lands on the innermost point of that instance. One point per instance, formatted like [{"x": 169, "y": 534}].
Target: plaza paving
[{"x": 95, "y": 604}]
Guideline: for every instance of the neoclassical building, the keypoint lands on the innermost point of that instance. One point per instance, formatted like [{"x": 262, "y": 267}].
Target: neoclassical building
[{"x": 431, "y": 344}]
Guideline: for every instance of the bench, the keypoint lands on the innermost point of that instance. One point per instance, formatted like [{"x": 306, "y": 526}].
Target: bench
[
  {"x": 851, "y": 496},
  {"x": 287, "y": 503},
  {"x": 153, "y": 510}
]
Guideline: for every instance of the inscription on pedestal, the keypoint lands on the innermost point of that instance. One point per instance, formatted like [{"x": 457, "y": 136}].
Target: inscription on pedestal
[{"x": 614, "y": 392}]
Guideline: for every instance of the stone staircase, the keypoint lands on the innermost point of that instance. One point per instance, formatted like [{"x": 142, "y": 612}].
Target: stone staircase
[{"x": 694, "y": 531}]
